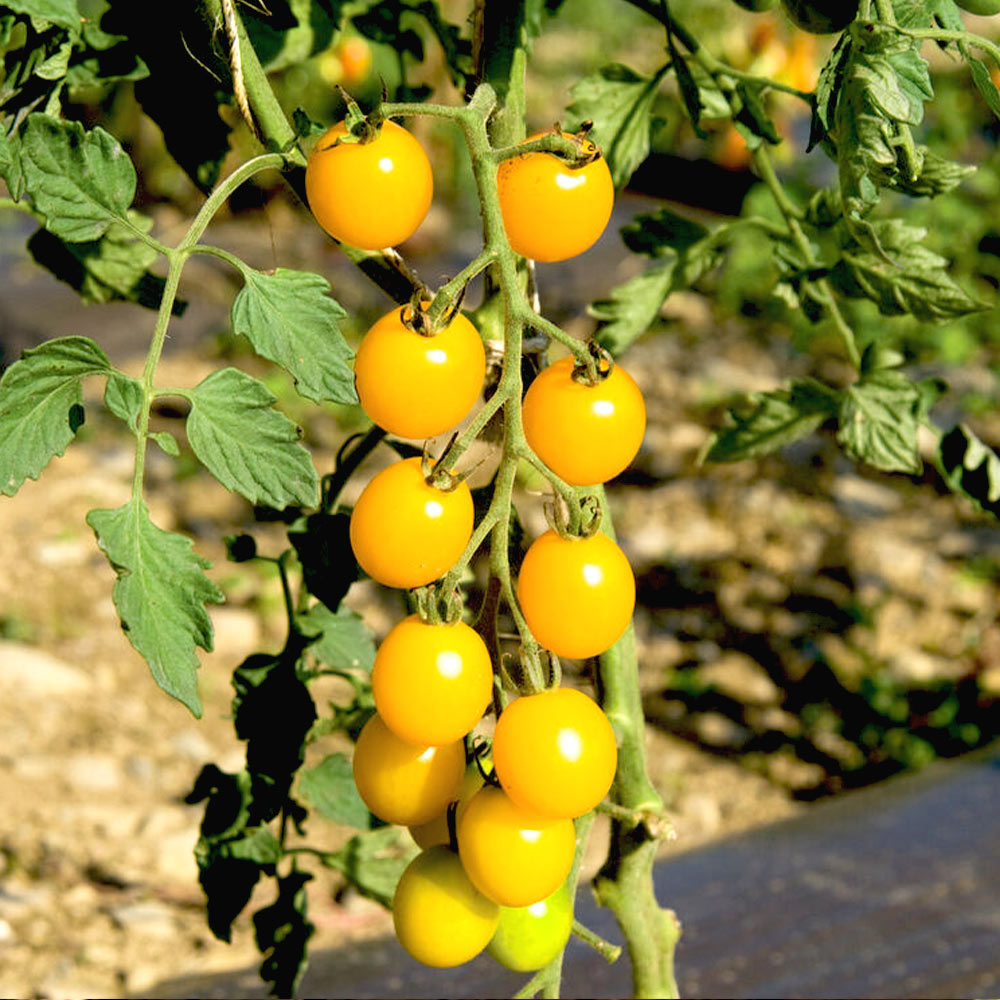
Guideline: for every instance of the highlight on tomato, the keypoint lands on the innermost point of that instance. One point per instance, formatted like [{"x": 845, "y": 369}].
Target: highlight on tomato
[
  {"x": 373, "y": 194},
  {"x": 512, "y": 855},
  {"x": 402, "y": 783},
  {"x": 527, "y": 938},
  {"x": 432, "y": 683},
  {"x": 552, "y": 211},
  {"x": 555, "y": 752},
  {"x": 586, "y": 434},
  {"x": 414, "y": 384},
  {"x": 406, "y": 532},
  {"x": 439, "y": 916},
  {"x": 577, "y": 594}
]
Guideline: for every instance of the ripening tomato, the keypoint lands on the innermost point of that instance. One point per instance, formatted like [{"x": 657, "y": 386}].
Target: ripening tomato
[
  {"x": 529, "y": 937},
  {"x": 373, "y": 194},
  {"x": 984, "y": 8},
  {"x": 440, "y": 918},
  {"x": 577, "y": 594},
  {"x": 432, "y": 683},
  {"x": 586, "y": 434},
  {"x": 405, "y": 532},
  {"x": 402, "y": 783},
  {"x": 555, "y": 752},
  {"x": 436, "y": 831},
  {"x": 512, "y": 855},
  {"x": 414, "y": 385},
  {"x": 552, "y": 211},
  {"x": 821, "y": 17}
]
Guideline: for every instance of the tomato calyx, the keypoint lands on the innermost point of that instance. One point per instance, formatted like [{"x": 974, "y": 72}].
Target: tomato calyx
[
  {"x": 594, "y": 370},
  {"x": 588, "y": 520},
  {"x": 419, "y": 317},
  {"x": 437, "y": 608},
  {"x": 573, "y": 149},
  {"x": 438, "y": 477}
]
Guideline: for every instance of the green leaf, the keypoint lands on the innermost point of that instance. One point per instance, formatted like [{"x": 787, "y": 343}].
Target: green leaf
[
  {"x": 41, "y": 405},
  {"x": 166, "y": 442},
  {"x": 774, "y": 420},
  {"x": 246, "y": 444},
  {"x": 901, "y": 275},
  {"x": 160, "y": 594},
  {"x": 344, "y": 643},
  {"x": 879, "y": 418},
  {"x": 287, "y": 32},
  {"x": 373, "y": 861},
  {"x": 282, "y": 932},
  {"x": 323, "y": 545},
  {"x": 80, "y": 182},
  {"x": 124, "y": 397},
  {"x": 971, "y": 468},
  {"x": 983, "y": 81},
  {"x": 635, "y": 305},
  {"x": 619, "y": 102},
  {"x": 330, "y": 787},
  {"x": 43, "y": 13},
  {"x": 290, "y": 319},
  {"x": 258, "y": 845}
]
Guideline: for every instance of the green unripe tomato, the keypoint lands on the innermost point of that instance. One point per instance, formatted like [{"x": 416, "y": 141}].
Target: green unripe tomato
[
  {"x": 821, "y": 17},
  {"x": 984, "y": 8},
  {"x": 529, "y": 937},
  {"x": 756, "y": 5}
]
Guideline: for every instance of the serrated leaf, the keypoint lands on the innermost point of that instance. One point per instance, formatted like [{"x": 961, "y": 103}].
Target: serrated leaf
[
  {"x": 247, "y": 445},
  {"x": 323, "y": 545},
  {"x": 619, "y": 102},
  {"x": 879, "y": 421},
  {"x": 776, "y": 419},
  {"x": 330, "y": 787},
  {"x": 41, "y": 405},
  {"x": 160, "y": 593},
  {"x": 344, "y": 643},
  {"x": 373, "y": 861},
  {"x": 971, "y": 468},
  {"x": 290, "y": 319},
  {"x": 902, "y": 275},
  {"x": 80, "y": 182},
  {"x": 124, "y": 397},
  {"x": 282, "y": 932},
  {"x": 43, "y": 13}
]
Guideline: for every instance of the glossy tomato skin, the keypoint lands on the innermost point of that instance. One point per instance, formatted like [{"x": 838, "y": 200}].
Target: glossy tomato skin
[
  {"x": 417, "y": 386},
  {"x": 431, "y": 683},
  {"x": 406, "y": 533},
  {"x": 529, "y": 937},
  {"x": 440, "y": 918},
  {"x": 551, "y": 211},
  {"x": 402, "y": 783},
  {"x": 577, "y": 595},
  {"x": 821, "y": 17},
  {"x": 984, "y": 8},
  {"x": 512, "y": 855},
  {"x": 555, "y": 752},
  {"x": 436, "y": 830},
  {"x": 369, "y": 195},
  {"x": 586, "y": 434}
]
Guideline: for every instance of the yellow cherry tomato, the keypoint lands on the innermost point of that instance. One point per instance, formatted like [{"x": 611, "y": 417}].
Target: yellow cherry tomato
[
  {"x": 586, "y": 434},
  {"x": 512, "y": 855},
  {"x": 555, "y": 752},
  {"x": 577, "y": 594},
  {"x": 440, "y": 918},
  {"x": 552, "y": 211},
  {"x": 405, "y": 532},
  {"x": 370, "y": 195},
  {"x": 402, "y": 783},
  {"x": 431, "y": 683},
  {"x": 436, "y": 831},
  {"x": 417, "y": 386}
]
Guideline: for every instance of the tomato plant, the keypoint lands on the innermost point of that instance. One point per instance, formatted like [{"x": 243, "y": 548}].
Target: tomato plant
[
  {"x": 554, "y": 752},
  {"x": 406, "y": 532},
  {"x": 587, "y": 434},
  {"x": 577, "y": 594},
  {"x": 552, "y": 211},
  {"x": 529, "y": 937},
  {"x": 440, "y": 918},
  {"x": 418, "y": 384},
  {"x": 512, "y": 855},
  {"x": 371, "y": 193},
  {"x": 402, "y": 783},
  {"x": 431, "y": 683}
]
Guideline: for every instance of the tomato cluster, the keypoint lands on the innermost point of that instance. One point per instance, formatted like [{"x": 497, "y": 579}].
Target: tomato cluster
[{"x": 497, "y": 835}]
